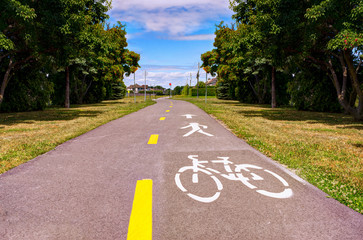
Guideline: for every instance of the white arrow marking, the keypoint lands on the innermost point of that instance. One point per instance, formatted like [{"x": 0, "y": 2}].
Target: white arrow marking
[{"x": 188, "y": 116}]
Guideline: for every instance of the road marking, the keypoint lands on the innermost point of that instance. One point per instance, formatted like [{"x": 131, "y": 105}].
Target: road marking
[
  {"x": 153, "y": 139},
  {"x": 170, "y": 106},
  {"x": 140, "y": 225},
  {"x": 196, "y": 128},
  {"x": 188, "y": 116},
  {"x": 167, "y": 111},
  {"x": 171, "y": 103},
  {"x": 162, "y": 118},
  {"x": 199, "y": 167}
]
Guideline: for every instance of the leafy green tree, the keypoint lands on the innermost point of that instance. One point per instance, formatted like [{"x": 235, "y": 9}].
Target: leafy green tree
[
  {"x": 311, "y": 89},
  {"x": 73, "y": 22},
  {"x": 277, "y": 38},
  {"x": 201, "y": 84},
  {"x": 159, "y": 87},
  {"x": 222, "y": 59},
  {"x": 185, "y": 90},
  {"x": 272, "y": 27},
  {"x": 18, "y": 39},
  {"x": 334, "y": 41},
  {"x": 29, "y": 89},
  {"x": 37, "y": 30},
  {"x": 177, "y": 90}
]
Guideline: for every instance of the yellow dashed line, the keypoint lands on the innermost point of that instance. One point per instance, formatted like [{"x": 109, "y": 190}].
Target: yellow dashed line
[
  {"x": 170, "y": 106},
  {"x": 153, "y": 139},
  {"x": 167, "y": 111},
  {"x": 140, "y": 226},
  {"x": 162, "y": 118}
]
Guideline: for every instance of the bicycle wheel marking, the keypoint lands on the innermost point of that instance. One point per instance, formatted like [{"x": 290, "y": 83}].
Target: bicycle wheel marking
[
  {"x": 178, "y": 183},
  {"x": 278, "y": 177},
  {"x": 237, "y": 174},
  {"x": 205, "y": 199},
  {"x": 195, "y": 180},
  {"x": 285, "y": 194}
]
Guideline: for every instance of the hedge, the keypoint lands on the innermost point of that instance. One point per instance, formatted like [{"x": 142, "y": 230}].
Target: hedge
[{"x": 211, "y": 91}]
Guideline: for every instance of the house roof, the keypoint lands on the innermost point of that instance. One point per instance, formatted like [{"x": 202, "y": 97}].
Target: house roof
[
  {"x": 212, "y": 81},
  {"x": 133, "y": 86}
]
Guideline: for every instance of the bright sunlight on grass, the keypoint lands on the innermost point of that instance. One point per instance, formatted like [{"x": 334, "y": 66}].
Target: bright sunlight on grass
[
  {"x": 326, "y": 149},
  {"x": 26, "y": 135}
]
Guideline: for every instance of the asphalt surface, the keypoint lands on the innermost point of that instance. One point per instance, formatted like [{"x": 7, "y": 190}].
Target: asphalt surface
[{"x": 84, "y": 188}]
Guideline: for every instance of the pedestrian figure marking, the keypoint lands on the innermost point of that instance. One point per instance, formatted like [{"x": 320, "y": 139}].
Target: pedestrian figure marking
[{"x": 196, "y": 128}]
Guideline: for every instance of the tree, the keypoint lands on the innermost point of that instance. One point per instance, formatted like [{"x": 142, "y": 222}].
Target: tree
[
  {"x": 177, "y": 90},
  {"x": 18, "y": 39},
  {"x": 222, "y": 59},
  {"x": 36, "y": 30},
  {"x": 200, "y": 84},
  {"x": 185, "y": 90},
  {"x": 272, "y": 28},
  {"x": 73, "y": 21},
  {"x": 333, "y": 40},
  {"x": 324, "y": 33}
]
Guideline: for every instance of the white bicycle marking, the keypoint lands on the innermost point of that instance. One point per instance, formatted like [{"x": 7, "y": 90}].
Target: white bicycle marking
[{"x": 236, "y": 175}]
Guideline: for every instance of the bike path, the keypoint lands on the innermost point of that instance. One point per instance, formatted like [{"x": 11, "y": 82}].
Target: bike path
[
  {"x": 239, "y": 212},
  {"x": 84, "y": 189}
]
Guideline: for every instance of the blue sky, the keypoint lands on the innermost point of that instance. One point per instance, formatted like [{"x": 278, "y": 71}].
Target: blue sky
[{"x": 170, "y": 36}]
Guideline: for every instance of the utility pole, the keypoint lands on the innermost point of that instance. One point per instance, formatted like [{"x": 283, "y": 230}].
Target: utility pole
[
  {"x": 198, "y": 82},
  {"x": 145, "y": 88},
  {"x": 190, "y": 80},
  {"x": 206, "y": 78},
  {"x": 134, "y": 89}
]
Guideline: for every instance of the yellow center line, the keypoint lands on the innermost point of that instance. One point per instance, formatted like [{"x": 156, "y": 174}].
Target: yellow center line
[
  {"x": 167, "y": 111},
  {"x": 153, "y": 139},
  {"x": 170, "y": 106},
  {"x": 162, "y": 118},
  {"x": 140, "y": 225}
]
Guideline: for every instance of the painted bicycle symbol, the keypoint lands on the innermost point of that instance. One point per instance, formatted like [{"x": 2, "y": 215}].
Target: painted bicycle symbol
[{"x": 242, "y": 173}]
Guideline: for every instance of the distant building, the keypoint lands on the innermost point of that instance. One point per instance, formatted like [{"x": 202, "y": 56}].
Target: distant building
[
  {"x": 138, "y": 88},
  {"x": 212, "y": 82}
]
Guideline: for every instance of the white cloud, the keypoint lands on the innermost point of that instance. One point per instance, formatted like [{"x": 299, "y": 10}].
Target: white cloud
[
  {"x": 165, "y": 4},
  {"x": 175, "y": 17},
  {"x": 195, "y": 37}
]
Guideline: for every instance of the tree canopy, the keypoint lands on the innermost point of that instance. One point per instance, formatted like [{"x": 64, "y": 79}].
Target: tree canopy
[
  {"x": 264, "y": 55},
  {"x": 67, "y": 44}
]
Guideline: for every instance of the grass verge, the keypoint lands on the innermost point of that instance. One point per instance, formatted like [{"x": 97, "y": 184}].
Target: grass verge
[
  {"x": 326, "y": 149},
  {"x": 25, "y": 135}
]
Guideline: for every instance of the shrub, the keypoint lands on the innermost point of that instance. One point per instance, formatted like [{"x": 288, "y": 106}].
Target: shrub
[{"x": 211, "y": 91}]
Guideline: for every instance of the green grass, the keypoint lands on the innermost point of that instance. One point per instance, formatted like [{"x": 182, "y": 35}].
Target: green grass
[
  {"x": 326, "y": 149},
  {"x": 25, "y": 135}
]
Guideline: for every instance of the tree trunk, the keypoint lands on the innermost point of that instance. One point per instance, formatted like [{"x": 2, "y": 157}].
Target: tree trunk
[
  {"x": 352, "y": 98},
  {"x": 264, "y": 89},
  {"x": 273, "y": 88},
  {"x": 341, "y": 89},
  {"x": 6, "y": 80},
  {"x": 346, "y": 63},
  {"x": 255, "y": 92},
  {"x": 85, "y": 92},
  {"x": 67, "y": 103},
  {"x": 356, "y": 85}
]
